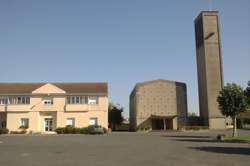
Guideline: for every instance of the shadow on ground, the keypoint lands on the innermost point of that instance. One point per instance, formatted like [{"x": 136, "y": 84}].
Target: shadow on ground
[
  {"x": 206, "y": 140},
  {"x": 197, "y": 140},
  {"x": 224, "y": 150},
  {"x": 186, "y": 136}
]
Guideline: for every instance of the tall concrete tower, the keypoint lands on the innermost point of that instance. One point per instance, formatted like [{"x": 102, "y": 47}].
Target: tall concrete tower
[{"x": 209, "y": 67}]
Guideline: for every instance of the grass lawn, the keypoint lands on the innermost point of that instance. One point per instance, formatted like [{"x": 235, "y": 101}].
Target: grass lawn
[{"x": 240, "y": 139}]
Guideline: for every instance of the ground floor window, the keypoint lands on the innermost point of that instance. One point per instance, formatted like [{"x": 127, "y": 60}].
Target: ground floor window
[
  {"x": 70, "y": 121},
  {"x": 93, "y": 121},
  {"x": 24, "y": 123}
]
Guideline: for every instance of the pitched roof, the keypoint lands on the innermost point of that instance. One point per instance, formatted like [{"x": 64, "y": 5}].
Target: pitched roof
[{"x": 15, "y": 88}]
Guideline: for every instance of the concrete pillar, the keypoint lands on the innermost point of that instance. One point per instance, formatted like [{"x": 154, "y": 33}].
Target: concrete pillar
[
  {"x": 174, "y": 120},
  {"x": 164, "y": 123}
]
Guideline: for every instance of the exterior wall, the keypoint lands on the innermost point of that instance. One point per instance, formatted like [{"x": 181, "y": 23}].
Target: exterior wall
[
  {"x": 132, "y": 112},
  {"x": 209, "y": 65},
  {"x": 158, "y": 98},
  {"x": 82, "y": 118},
  {"x": 36, "y": 111},
  {"x": 101, "y": 106},
  {"x": 181, "y": 103},
  {"x": 14, "y": 120},
  {"x": 36, "y": 104}
]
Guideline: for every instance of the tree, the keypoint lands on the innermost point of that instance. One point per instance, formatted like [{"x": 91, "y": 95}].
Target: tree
[
  {"x": 247, "y": 93},
  {"x": 114, "y": 115},
  {"x": 232, "y": 102}
]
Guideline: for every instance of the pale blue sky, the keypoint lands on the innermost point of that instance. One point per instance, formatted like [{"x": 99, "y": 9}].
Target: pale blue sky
[{"x": 121, "y": 42}]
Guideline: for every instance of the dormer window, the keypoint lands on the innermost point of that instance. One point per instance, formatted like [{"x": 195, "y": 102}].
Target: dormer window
[{"x": 47, "y": 100}]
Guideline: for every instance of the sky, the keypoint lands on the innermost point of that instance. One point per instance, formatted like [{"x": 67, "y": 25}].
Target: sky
[{"x": 121, "y": 42}]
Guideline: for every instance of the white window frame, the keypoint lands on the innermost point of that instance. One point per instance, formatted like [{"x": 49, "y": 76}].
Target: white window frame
[
  {"x": 93, "y": 119},
  {"x": 93, "y": 100},
  {"x": 48, "y": 101},
  {"x": 24, "y": 122},
  {"x": 70, "y": 121}
]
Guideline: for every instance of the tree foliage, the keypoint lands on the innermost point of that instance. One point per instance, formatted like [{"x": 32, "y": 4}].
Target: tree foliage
[
  {"x": 114, "y": 115},
  {"x": 232, "y": 100},
  {"x": 247, "y": 93}
]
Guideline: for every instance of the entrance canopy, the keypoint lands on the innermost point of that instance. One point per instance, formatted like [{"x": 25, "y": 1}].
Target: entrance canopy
[{"x": 162, "y": 122}]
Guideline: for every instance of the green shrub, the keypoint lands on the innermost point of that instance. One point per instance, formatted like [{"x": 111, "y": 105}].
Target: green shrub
[
  {"x": 18, "y": 132},
  {"x": 122, "y": 127},
  {"x": 70, "y": 130},
  {"x": 95, "y": 129},
  {"x": 23, "y": 127},
  {"x": 4, "y": 131},
  {"x": 84, "y": 130},
  {"x": 59, "y": 130}
]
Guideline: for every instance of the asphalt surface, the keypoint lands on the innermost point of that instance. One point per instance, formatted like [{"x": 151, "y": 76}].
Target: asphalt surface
[{"x": 123, "y": 149}]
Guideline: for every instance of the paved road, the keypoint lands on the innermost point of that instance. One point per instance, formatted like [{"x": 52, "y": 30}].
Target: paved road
[{"x": 123, "y": 149}]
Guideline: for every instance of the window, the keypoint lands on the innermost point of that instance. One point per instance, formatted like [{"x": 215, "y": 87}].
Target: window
[
  {"x": 25, "y": 122},
  {"x": 93, "y": 100},
  {"x": 77, "y": 100},
  {"x": 47, "y": 100},
  {"x": 84, "y": 99},
  {"x": 19, "y": 99},
  {"x": 93, "y": 121},
  {"x": 70, "y": 122},
  {"x": 15, "y": 100},
  {"x": 73, "y": 99},
  {"x": 3, "y": 100}
]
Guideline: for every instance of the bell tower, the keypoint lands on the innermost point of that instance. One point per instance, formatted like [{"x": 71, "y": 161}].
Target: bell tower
[{"x": 209, "y": 68}]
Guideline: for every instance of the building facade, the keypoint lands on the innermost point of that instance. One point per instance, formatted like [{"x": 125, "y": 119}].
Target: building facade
[
  {"x": 42, "y": 107},
  {"x": 158, "y": 105},
  {"x": 209, "y": 67}
]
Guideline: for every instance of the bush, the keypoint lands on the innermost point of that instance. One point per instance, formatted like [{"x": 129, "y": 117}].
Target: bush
[
  {"x": 59, "y": 130},
  {"x": 84, "y": 130},
  {"x": 95, "y": 129},
  {"x": 122, "y": 127},
  {"x": 4, "y": 131},
  {"x": 18, "y": 132}
]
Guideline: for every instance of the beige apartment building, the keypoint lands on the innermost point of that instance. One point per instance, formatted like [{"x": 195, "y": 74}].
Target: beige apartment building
[
  {"x": 158, "y": 105},
  {"x": 42, "y": 107}
]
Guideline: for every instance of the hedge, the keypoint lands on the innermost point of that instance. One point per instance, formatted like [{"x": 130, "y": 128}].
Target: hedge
[
  {"x": 4, "y": 131},
  {"x": 85, "y": 130}
]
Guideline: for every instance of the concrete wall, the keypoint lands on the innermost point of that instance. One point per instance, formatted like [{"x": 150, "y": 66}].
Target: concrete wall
[
  {"x": 158, "y": 98},
  {"x": 209, "y": 67}
]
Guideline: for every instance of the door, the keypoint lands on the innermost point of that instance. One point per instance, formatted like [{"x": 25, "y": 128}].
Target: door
[{"x": 48, "y": 124}]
